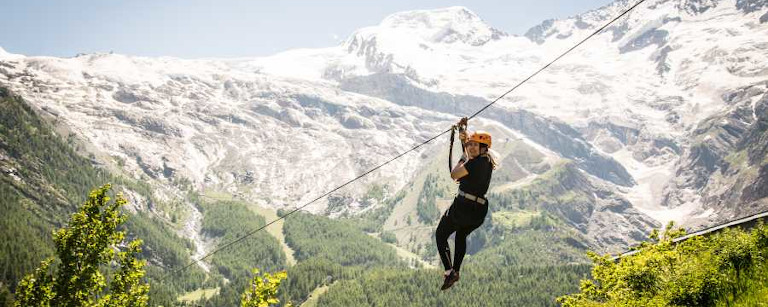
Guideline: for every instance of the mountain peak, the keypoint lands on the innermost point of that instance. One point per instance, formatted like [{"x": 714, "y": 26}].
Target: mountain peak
[
  {"x": 444, "y": 25},
  {"x": 7, "y": 55},
  {"x": 431, "y": 18}
]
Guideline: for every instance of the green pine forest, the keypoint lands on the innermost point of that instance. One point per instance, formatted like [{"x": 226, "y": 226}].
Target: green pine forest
[{"x": 521, "y": 256}]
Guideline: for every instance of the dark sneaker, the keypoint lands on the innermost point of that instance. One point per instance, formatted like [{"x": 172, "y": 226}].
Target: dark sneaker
[{"x": 450, "y": 279}]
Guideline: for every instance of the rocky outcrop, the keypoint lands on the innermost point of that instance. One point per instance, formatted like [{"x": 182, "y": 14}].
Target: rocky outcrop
[
  {"x": 367, "y": 48},
  {"x": 354, "y": 121},
  {"x": 148, "y": 123},
  {"x": 749, "y": 6},
  {"x": 756, "y": 139},
  {"x": 695, "y": 7},
  {"x": 608, "y": 220},
  {"x": 758, "y": 189},
  {"x": 540, "y": 32},
  {"x": 727, "y": 165},
  {"x": 566, "y": 141},
  {"x": 653, "y": 36},
  {"x": 125, "y": 96},
  {"x": 645, "y": 147}
]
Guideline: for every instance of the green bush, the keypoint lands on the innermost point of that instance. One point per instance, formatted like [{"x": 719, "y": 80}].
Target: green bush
[
  {"x": 388, "y": 237},
  {"x": 700, "y": 271}
]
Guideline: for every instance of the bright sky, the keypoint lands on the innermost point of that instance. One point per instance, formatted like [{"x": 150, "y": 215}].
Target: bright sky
[{"x": 230, "y": 28}]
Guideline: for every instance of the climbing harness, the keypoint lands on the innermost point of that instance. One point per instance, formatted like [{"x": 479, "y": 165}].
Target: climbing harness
[{"x": 471, "y": 197}]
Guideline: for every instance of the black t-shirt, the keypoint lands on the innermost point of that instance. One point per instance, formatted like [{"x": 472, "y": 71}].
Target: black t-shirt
[{"x": 479, "y": 177}]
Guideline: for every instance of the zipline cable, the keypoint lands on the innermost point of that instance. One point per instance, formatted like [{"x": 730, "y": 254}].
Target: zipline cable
[{"x": 403, "y": 153}]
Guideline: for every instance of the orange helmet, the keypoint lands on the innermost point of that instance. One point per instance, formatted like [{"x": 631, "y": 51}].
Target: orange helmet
[{"x": 481, "y": 137}]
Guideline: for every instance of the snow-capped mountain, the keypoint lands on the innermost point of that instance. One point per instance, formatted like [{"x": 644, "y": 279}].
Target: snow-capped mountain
[
  {"x": 280, "y": 139},
  {"x": 631, "y": 107}
]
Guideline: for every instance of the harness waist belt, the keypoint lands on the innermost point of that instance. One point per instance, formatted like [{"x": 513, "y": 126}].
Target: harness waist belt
[{"x": 471, "y": 197}]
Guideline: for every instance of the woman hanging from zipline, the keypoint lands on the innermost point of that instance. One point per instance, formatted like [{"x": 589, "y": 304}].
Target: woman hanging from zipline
[{"x": 473, "y": 172}]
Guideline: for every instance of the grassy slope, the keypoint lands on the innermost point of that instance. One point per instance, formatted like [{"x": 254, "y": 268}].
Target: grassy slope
[
  {"x": 196, "y": 295},
  {"x": 276, "y": 230},
  {"x": 314, "y": 296}
]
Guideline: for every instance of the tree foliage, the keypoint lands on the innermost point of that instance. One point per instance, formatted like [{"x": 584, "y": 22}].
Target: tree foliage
[
  {"x": 167, "y": 251},
  {"x": 309, "y": 274},
  {"x": 479, "y": 286},
  {"x": 83, "y": 247},
  {"x": 700, "y": 271},
  {"x": 426, "y": 207},
  {"x": 262, "y": 290},
  {"x": 229, "y": 221},
  {"x": 336, "y": 240},
  {"x": 41, "y": 182},
  {"x": 373, "y": 220}
]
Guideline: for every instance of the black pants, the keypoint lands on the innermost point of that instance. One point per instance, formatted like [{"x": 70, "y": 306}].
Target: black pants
[{"x": 462, "y": 217}]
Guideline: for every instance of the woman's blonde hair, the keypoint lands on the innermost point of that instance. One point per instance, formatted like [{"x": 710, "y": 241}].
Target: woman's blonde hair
[{"x": 492, "y": 156}]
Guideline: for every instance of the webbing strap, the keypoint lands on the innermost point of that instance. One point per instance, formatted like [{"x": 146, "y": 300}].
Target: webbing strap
[
  {"x": 461, "y": 127},
  {"x": 450, "y": 150}
]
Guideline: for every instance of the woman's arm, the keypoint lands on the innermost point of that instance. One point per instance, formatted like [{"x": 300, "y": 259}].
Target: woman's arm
[{"x": 459, "y": 171}]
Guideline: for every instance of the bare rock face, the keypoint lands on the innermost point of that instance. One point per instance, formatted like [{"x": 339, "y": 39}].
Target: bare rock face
[
  {"x": 125, "y": 96},
  {"x": 749, "y": 6},
  {"x": 594, "y": 209},
  {"x": 698, "y": 6},
  {"x": 727, "y": 163},
  {"x": 540, "y": 32},
  {"x": 353, "y": 121},
  {"x": 567, "y": 141},
  {"x": 758, "y": 189},
  {"x": 651, "y": 37},
  {"x": 756, "y": 139}
]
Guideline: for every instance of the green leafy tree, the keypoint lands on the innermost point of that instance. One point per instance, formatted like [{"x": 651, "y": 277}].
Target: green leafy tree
[
  {"x": 88, "y": 243},
  {"x": 723, "y": 268},
  {"x": 262, "y": 290}
]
